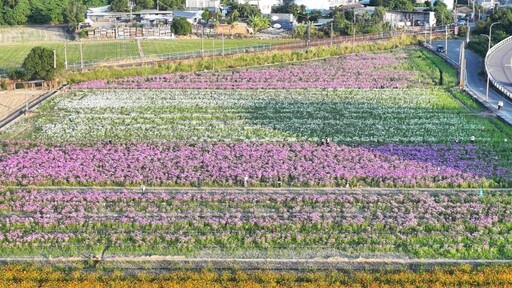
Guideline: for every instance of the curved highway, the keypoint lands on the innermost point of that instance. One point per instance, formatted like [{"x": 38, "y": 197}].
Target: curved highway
[{"x": 500, "y": 65}]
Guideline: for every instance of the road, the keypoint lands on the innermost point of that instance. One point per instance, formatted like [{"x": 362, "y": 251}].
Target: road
[
  {"x": 477, "y": 83},
  {"x": 500, "y": 66}
]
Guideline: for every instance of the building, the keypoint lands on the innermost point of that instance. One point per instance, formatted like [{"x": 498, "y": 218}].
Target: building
[
  {"x": 212, "y": 5},
  {"x": 357, "y": 7},
  {"x": 402, "y": 19},
  {"x": 336, "y": 3},
  {"x": 264, "y": 5},
  {"x": 103, "y": 15},
  {"x": 232, "y": 29},
  {"x": 282, "y": 20},
  {"x": 488, "y": 4},
  {"x": 193, "y": 17}
]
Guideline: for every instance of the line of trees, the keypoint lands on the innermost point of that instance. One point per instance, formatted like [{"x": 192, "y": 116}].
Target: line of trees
[{"x": 71, "y": 12}]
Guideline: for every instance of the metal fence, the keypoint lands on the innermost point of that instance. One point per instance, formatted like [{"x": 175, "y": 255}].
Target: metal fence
[{"x": 78, "y": 55}]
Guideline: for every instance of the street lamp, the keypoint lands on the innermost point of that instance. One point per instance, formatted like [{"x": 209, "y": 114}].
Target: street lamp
[
  {"x": 490, "y": 34},
  {"x": 489, "y": 48}
]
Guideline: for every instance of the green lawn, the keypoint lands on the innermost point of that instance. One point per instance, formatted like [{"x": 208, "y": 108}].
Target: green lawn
[{"x": 12, "y": 56}]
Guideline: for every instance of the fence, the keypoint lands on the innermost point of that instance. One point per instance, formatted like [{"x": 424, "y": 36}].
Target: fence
[
  {"x": 221, "y": 50},
  {"x": 77, "y": 55}
]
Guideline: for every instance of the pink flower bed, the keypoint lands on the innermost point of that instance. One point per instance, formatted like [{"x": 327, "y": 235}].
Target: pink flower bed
[
  {"x": 364, "y": 71},
  {"x": 229, "y": 163}
]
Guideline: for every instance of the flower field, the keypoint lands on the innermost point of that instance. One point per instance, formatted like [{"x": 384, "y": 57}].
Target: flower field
[
  {"x": 375, "y": 116},
  {"x": 295, "y": 224},
  {"x": 227, "y": 164},
  {"x": 368, "y": 155},
  {"x": 372, "y": 71}
]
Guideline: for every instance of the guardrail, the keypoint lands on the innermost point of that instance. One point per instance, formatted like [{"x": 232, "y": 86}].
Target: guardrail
[
  {"x": 22, "y": 110},
  {"x": 494, "y": 82}
]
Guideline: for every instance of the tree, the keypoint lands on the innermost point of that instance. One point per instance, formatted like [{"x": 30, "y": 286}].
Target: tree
[
  {"x": 300, "y": 31},
  {"x": 290, "y": 7},
  {"x": 206, "y": 15},
  {"x": 143, "y": 4},
  {"x": 443, "y": 16},
  {"x": 399, "y": 5},
  {"x": 39, "y": 64},
  {"x": 119, "y": 6},
  {"x": 233, "y": 17},
  {"x": 17, "y": 13},
  {"x": 258, "y": 23},
  {"x": 95, "y": 3},
  {"x": 180, "y": 26},
  {"x": 74, "y": 14},
  {"x": 244, "y": 10},
  {"x": 171, "y": 4}
]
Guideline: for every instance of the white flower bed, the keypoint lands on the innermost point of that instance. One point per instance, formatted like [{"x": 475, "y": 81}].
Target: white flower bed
[{"x": 348, "y": 116}]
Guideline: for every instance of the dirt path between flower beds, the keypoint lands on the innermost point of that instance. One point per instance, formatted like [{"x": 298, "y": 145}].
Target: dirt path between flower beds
[{"x": 179, "y": 263}]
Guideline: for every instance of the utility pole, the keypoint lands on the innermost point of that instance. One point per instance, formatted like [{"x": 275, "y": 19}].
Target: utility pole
[
  {"x": 26, "y": 102},
  {"x": 425, "y": 30},
  {"x": 430, "y": 42},
  {"x": 66, "y": 54},
  {"x": 222, "y": 44},
  {"x": 332, "y": 31},
  {"x": 468, "y": 31},
  {"x": 81, "y": 56},
  {"x": 455, "y": 13},
  {"x": 353, "y": 30},
  {"x": 54, "y": 59},
  {"x": 473, "y": 12},
  {"x": 202, "y": 41},
  {"x": 462, "y": 62},
  {"x": 446, "y": 41},
  {"x": 309, "y": 33}
]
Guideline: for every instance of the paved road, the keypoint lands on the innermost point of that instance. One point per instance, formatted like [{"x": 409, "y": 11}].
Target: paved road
[
  {"x": 477, "y": 83},
  {"x": 500, "y": 66}
]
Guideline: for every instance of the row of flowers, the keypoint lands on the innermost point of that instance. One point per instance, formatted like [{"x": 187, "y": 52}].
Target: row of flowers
[
  {"x": 415, "y": 223},
  {"x": 236, "y": 164},
  {"x": 344, "y": 116},
  {"x": 489, "y": 276},
  {"x": 354, "y": 71}
]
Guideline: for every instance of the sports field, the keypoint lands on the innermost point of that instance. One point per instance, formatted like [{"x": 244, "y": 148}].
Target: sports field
[{"x": 12, "y": 55}]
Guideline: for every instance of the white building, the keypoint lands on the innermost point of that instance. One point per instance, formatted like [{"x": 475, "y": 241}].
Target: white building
[
  {"x": 336, "y": 3},
  {"x": 192, "y": 17},
  {"x": 264, "y": 5},
  {"x": 202, "y": 4},
  {"x": 488, "y": 4},
  {"x": 410, "y": 18}
]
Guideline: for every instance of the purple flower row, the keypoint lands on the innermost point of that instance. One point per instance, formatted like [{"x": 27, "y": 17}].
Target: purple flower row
[
  {"x": 355, "y": 71},
  {"x": 232, "y": 164},
  {"x": 418, "y": 223}
]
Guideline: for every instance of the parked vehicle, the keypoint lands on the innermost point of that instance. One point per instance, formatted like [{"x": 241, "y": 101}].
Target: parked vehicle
[{"x": 440, "y": 49}]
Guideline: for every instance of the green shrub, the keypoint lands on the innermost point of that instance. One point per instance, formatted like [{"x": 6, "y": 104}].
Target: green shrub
[{"x": 180, "y": 26}]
